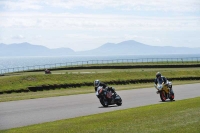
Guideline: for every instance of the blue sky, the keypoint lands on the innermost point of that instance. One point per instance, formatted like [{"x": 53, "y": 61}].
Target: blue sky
[{"x": 83, "y": 25}]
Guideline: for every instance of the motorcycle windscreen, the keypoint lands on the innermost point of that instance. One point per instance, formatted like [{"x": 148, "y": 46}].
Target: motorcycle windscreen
[{"x": 159, "y": 86}]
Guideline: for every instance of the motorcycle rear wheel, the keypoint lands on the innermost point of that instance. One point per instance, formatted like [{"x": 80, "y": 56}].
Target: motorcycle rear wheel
[
  {"x": 119, "y": 103},
  {"x": 162, "y": 96}
]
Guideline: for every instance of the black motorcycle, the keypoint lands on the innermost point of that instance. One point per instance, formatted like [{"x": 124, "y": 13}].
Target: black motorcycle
[
  {"x": 107, "y": 97},
  {"x": 47, "y": 71}
]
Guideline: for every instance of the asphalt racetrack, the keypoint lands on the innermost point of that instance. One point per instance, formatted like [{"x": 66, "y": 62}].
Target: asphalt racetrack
[{"x": 27, "y": 112}]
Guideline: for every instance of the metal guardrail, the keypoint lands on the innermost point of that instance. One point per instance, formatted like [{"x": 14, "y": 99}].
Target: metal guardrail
[{"x": 92, "y": 62}]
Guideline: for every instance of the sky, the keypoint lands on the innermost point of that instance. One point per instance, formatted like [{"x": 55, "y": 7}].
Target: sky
[{"x": 87, "y": 24}]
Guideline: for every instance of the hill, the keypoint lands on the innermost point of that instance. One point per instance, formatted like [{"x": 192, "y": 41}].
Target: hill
[
  {"x": 129, "y": 47},
  {"x": 132, "y": 47},
  {"x": 27, "y": 49}
]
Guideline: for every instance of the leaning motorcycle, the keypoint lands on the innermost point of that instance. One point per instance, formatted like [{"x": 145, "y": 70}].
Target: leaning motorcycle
[
  {"x": 107, "y": 97},
  {"x": 165, "y": 91}
]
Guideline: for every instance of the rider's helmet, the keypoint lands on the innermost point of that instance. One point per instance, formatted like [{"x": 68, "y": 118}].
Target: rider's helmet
[
  {"x": 96, "y": 83},
  {"x": 158, "y": 74}
]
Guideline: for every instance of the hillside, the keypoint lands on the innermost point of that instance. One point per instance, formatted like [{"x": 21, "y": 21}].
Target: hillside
[
  {"x": 27, "y": 49},
  {"x": 130, "y": 47}
]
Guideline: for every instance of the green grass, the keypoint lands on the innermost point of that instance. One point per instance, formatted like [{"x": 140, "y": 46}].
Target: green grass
[
  {"x": 74, "y": 91},
  {"x": 70, "y": 77},
  {"x": 177, "y": 117}
]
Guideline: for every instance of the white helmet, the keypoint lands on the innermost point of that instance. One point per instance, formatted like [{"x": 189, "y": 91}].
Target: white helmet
[
  {"x": 158, "y": 74},
  {"x": 96, "y": 83}
]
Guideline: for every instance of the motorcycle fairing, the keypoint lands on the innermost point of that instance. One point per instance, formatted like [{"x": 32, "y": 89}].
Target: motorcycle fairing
[{"x": 165, "y": 88}]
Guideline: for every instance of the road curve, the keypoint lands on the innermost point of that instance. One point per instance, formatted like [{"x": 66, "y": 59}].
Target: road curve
[{"x": 27, "y": 112}]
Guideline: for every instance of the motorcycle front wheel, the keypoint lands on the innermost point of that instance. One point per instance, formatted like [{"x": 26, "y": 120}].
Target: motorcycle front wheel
[
  {"x": 104, "y": 103},
  {"x": 172, "y": 97},
  {"x": 163, "y": 96}
]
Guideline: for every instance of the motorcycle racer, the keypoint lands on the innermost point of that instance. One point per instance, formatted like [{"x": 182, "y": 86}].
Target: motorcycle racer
[
  {"x": 161, "y": 79},
  {"x": 164, "y": 87},
  {"x": 98, "y": 83},
  {"x": 106, "y": 95}
]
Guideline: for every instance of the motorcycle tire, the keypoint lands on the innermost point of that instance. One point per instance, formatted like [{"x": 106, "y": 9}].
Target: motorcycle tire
[
  {"x": 103, "y": 103},
  {"x": 163, "y": 96},
  {"x": 119, "y": 103},
  {"x": 172, "y": 97}
]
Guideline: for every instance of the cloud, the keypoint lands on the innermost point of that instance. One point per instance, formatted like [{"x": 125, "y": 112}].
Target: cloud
[
  {"x": 141, "y": 37},
  {"x": 146, "y": 5},
  {"x": 21, "y": 4},
  {"x": 18, "y": 37},
  {"x": 89, "y": 36},
  {"x": 98, "y": 21},
  {"x": 66, "y": 21},
  {"x": 38, "y": 36}
]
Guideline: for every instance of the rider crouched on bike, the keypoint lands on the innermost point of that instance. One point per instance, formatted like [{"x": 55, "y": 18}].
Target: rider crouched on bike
[
  {"x": 161, "y": 79},
  {"x": 97, "y": 83}
]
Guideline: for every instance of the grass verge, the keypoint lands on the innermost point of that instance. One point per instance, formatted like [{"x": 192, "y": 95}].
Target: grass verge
[
  {"x": 56, "y": 81},
  {"x": 74, "y": 91},
  {"x": 179, "y": 117}
]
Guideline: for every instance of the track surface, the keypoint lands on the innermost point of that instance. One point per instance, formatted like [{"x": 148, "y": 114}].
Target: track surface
[{"x": 27, "y": 112}]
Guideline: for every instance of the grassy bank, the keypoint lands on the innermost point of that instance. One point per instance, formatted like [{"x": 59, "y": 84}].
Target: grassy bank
[
  {"x": 86, "y": 77},
  {"x": 74, "y": 91},
  {"x": 179, "y": 117}
]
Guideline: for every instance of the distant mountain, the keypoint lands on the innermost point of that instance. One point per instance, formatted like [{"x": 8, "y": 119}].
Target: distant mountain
[
  {"x": 26, "y": 49},
  {"x": 130, "y": 47}
]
